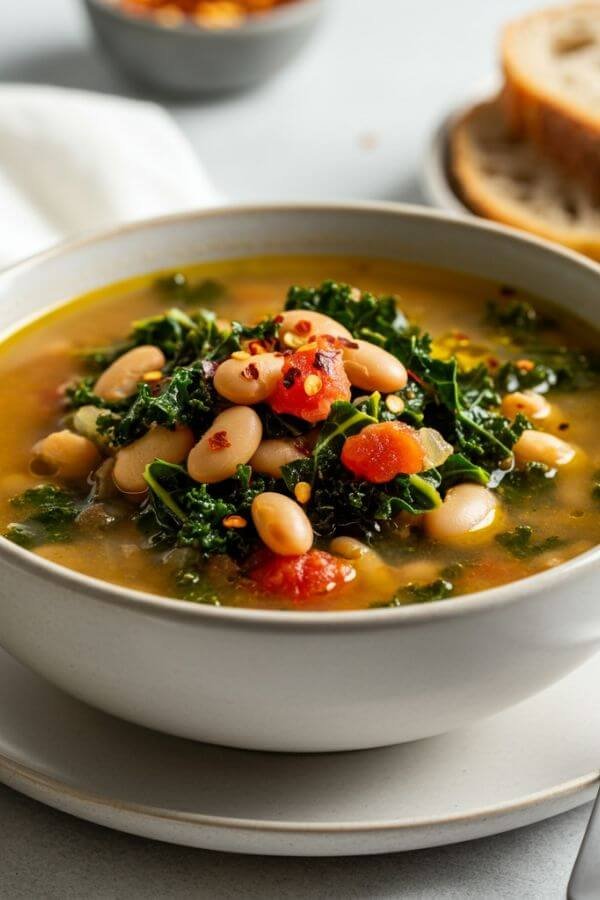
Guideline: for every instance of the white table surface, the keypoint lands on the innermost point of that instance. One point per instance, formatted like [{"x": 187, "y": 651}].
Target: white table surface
[{"x": 347, "y": 120}]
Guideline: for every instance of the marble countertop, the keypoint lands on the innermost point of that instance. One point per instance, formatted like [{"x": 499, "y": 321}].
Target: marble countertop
[{"x": 349, "y": 119}]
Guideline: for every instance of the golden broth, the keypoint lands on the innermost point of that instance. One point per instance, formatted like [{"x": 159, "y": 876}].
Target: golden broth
[{"x": 36, "y": 361}]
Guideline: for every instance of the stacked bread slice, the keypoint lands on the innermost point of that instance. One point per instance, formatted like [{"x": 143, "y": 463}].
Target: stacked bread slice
[{"x": 531, "y": 157}]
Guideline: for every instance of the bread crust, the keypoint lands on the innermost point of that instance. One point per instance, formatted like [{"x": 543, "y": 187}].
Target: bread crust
[
  {"x": 563, "y": 132},
  {"x": 475, "y": 192}
]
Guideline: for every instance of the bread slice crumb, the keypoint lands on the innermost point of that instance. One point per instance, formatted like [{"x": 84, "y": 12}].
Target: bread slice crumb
[
  {"x": 503, "y": 177},
  {"x": 551, "y": 62}
]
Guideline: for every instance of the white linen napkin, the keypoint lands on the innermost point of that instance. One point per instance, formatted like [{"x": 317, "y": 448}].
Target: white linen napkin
[{"x": 74, "y": 161}]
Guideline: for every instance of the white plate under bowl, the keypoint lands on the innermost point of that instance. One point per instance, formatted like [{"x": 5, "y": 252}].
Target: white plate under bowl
[
  {"x": 534, "y": 761},
  {"x": 436, "y": 182}
]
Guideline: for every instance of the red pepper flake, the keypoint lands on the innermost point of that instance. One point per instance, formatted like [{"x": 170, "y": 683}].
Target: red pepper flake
[
  {"x": 325, "y": 360},
  {"x": 278, "y": 319},
  {"x": 302, "y": 327},
  {"x": 219, "y": 441},
  {"x": 493, "y": 363},
  {"x": 290, "y": 377},
  {"x": 250, "y": 373},
  {"x": 346, "y": 342}
]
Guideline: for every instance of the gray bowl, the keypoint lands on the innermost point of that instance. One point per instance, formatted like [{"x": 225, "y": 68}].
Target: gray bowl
[{"x": 191, "y": 60}]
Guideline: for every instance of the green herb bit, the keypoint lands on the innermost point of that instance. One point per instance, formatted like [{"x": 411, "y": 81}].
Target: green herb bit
[
  {"x": 196, "y": 588},
  {"x": 178, "y": 287},
  {"x": 81, "y": 393},
  {"x": 528, "y": 486},
  {"x": 516, "y": 316},
  {"x": 453, "y": 571},
  {"x": 427, "y": 593},
  {"x": 554, "y": 368},
  {"x": 439, "y": 589},
  {"x": 520, "y": 542},
  {"x": 52, "y": 515}
]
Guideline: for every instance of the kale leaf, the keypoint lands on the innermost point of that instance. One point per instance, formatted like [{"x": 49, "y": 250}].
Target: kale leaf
[
  {"x": 559, "y": 368},
  {"x": 344, "y": 420},
  {"x": 420, "y": 593},
  {"x": 180, "y": 290},
  {"x": 180, "y": 512},
  {"x": 458, "y": 468},
  {"x": 182, "y": 337},
  {"x": 52, "y": 515},
  {"x": 367, "y": 317},
  {"x": 520, "y": 542},
  {"x": 81, "y": 393},
  {"x": 340, "y": 502},
  {"x": 527, "y": 486},
  {"x": 265, "y": 331},
  {"x": 518, "y": 317},
  {"x": 186, "y": 397},
  {"x": 463, "y": 403}
]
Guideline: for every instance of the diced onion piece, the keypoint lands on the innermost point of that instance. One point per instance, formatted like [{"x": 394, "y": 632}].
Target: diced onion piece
[
  {"x": 436, "y": 450},
  {"x": 85, "y": 422}
]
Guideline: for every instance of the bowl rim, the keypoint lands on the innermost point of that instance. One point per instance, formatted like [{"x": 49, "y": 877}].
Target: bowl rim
[
  {"x": 411, "y": 615},
  {"x": 279, "y": 18}
]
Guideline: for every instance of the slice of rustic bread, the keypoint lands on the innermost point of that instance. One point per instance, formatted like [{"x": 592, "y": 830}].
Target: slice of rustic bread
[
  {"x": 551, "y": 62},
  {"x": 503, "y": 177}
]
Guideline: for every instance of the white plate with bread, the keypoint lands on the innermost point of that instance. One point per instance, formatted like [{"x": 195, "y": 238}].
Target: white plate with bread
[{"x": 528, "y": 155}]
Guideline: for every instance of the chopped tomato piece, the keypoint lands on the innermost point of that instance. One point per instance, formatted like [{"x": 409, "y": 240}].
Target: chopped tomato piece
[
  {"x": 311, "y": 380},
  {"x": 380, "y": 452},
  {"x": 302, "y": 577}
]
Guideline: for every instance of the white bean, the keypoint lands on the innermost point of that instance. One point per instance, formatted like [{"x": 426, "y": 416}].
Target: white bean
[
  {"x": 539, "y": 446},
  {"x": 466, "y": 508},
  {"x": 275, "y": 453},
  {"x": 530, "y": 404},
  {"x": 121, "y": 379},
  {"x": 299, "y": 325},
  {"x": 349, "y": 547},
  {"x": 372, "y": 368},
  {"x": 282, "y": 524},
  {"x": 231, "y": 441},
  {"x": 158, "y": 443},
  {"x": 376, "y": 575},
  {"x": 66, "y": 455},
  {"x": 251, "y": 380}
]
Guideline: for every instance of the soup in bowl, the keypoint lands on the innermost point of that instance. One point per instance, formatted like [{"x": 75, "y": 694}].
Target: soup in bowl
[
  {"x": 314, "y": 475},
  {"x": 369, "y": 434}
]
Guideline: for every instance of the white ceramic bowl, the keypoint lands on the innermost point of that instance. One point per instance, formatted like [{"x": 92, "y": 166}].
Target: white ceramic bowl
[
  {"x": 299, "y": 681},
  {"x": 189, "y": 60}
]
